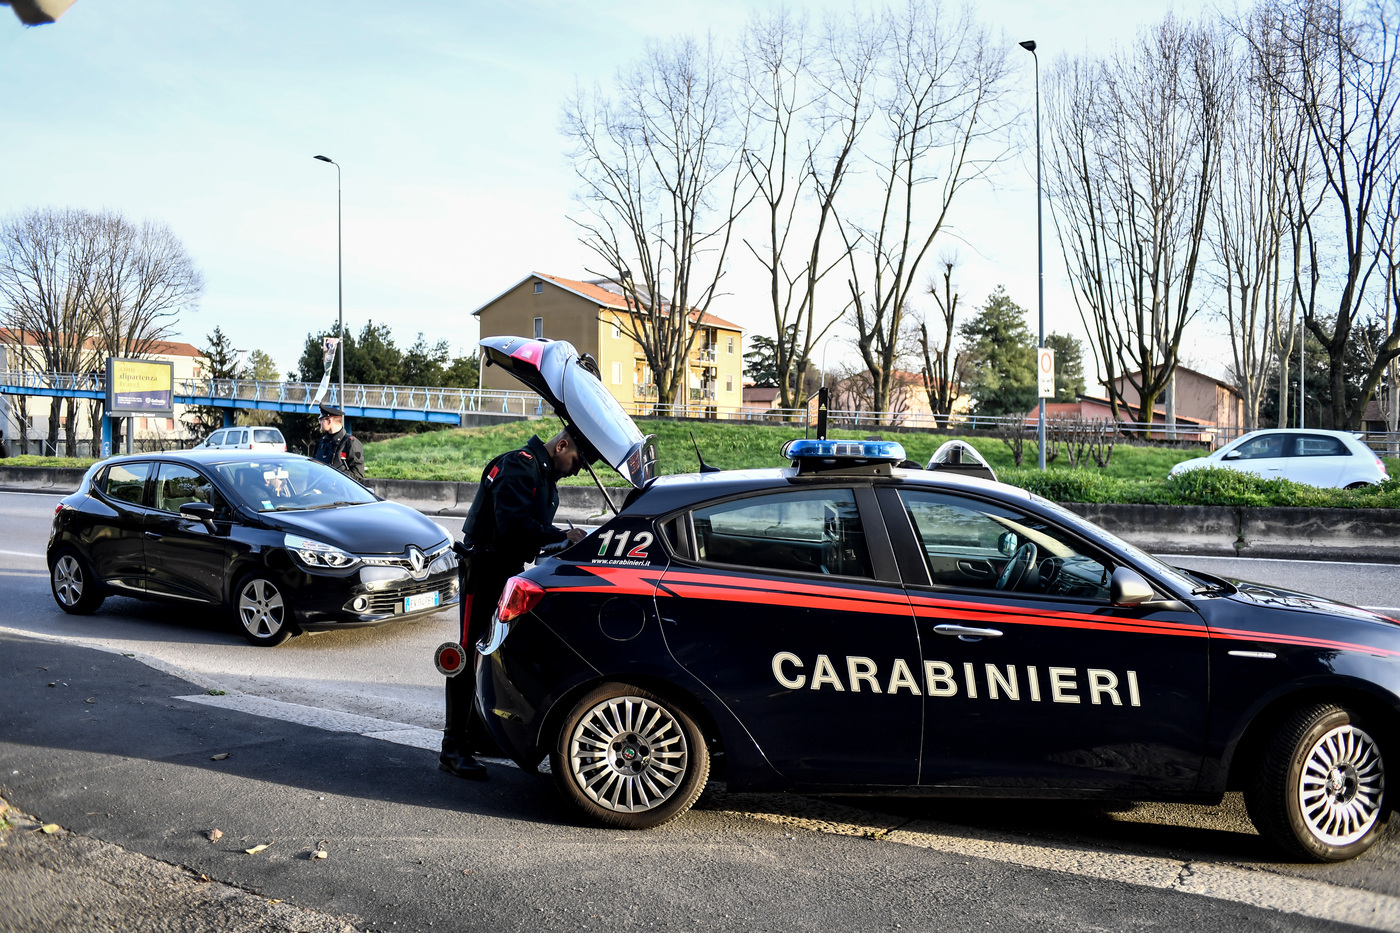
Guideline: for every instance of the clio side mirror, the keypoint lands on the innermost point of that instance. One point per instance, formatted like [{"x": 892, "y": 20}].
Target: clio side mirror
[
  {"x": 1127, "y": 588},
  {"x": 1007, "y": 543},
  {"x": 1232, "y": 455},
  {"x": 201, "y": 512}
]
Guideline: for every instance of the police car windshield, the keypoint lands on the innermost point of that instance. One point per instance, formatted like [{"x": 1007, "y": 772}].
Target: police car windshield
[
  {"x": 1094, "y": 533},
  {"x": 291, "y": 484}
]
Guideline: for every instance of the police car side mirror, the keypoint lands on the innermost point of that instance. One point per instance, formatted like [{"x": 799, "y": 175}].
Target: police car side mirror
[
  {"x": 1127, "y": 588},
  {"x": 1007, "y": 543}
]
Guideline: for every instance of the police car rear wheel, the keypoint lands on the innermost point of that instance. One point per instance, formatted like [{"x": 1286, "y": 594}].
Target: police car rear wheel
[
  {"x": 628, "y": 758},
  {"x": 1320, "y": 788}
]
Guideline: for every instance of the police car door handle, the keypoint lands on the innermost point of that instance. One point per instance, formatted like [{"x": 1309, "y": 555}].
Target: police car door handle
[{"x": 967, "y": 632}]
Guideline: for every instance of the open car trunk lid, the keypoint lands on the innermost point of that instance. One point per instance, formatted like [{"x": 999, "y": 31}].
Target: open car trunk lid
[{"x": 554, "y": 369}]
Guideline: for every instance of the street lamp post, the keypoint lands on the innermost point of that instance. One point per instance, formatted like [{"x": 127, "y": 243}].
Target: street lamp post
[
  {"x": 1029, "y": 46},
  {"x": 339, "y": 282}
]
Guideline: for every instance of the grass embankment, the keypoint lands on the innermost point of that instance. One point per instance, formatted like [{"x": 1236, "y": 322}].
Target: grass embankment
[
  {"x": 461, "y": 455},
  {"x": 29, "y": 460},
  {"x": 1134, "y": 474}
]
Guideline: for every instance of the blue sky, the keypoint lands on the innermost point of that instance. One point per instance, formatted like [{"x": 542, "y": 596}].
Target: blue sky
[{"x": 444, "y": 116}]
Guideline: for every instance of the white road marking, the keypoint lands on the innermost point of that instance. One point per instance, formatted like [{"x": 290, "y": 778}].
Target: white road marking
[
  {"x": 23, "y": 554},
  {"x": 1299, "y": 896},
  {"x": 400, "y": 733},
  {"x": 1275, "y": 560}
]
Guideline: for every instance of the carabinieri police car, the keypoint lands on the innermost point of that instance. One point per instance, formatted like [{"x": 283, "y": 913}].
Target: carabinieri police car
[{"x": 848, "y": 625}]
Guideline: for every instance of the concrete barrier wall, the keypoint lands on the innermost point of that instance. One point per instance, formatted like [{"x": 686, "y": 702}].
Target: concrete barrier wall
[
  {"x": 1245, "y": 531},
  {"x": 55, "y": 479},
  {"x": 1249, "y": 531},
  {"x": 576, "y": 503}
]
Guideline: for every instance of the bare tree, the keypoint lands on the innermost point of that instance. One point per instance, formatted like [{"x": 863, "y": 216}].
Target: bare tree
[
  {"x": 808, "y": 101},
  {"x": 941, "y": 83},
  {"x": 143, "y": 280},
  {"x": 1251, "y": 213},
  {"x": 1341, "y": 73},
  {"x": 86, "y": 286},
  {"x": 46, "y": 272},
  {"x": 942, "y": 366},
  {"x": 661, "y": 189},
  {"x": 1134, "y": 147}
]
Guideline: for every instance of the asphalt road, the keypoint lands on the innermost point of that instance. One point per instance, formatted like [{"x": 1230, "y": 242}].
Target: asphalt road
[{"x": 121, "y": 749}]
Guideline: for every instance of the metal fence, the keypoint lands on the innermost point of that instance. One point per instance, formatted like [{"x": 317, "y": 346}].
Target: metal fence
[{"x": 402, "y": 398}]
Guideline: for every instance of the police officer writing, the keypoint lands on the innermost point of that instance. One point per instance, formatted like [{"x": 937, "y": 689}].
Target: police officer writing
[
  {"x": 510, "y": 519},
  {"x": 338, "y": 449}
]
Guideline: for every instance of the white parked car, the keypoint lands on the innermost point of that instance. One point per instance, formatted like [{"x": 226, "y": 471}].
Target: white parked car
[
  {"x": 250, "y": 438},
  {"x": 1303, "y": 455}
]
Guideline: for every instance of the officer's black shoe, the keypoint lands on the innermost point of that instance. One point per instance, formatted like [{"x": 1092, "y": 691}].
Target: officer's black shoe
[{"x": 462, "y": 766}]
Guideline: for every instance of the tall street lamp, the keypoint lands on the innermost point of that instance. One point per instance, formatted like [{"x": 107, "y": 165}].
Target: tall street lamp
[
  {"x": 1029, "y": 46},
  {"x": 340, "y": 281}
]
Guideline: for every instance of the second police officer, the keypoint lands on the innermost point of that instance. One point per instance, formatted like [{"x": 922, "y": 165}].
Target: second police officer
[{"x": 338, "y": 448}]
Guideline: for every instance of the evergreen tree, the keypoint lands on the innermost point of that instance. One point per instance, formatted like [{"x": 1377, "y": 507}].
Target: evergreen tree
[
  {"x": 220, "y": 361},
  {"x": 1001, "y": 355},
  {"x": 761, "y": 360},
  {"x": 1069, "y": 366},
  {"x": 464, "y": 372}
]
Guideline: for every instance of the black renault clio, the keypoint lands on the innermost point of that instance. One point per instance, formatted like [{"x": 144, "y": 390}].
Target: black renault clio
[
  {"x": 847, "y": 625},
  {"x": 282, "y": 543}
]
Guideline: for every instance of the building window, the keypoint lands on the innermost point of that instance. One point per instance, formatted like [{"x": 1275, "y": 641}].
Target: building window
[
  {"x": 731, "y": 346},
  {"x": 617, "y": 373},
  {"x": 539, "y": 288},
  {"x": 617, "y": 331},
  {"x": 729, "y": 383},
  {"x": 539, "y": 327}
]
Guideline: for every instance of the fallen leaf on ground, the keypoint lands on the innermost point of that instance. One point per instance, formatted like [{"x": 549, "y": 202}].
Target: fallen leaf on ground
[
  {"x": 90, "y": 700},
  {"x": 319, "y": 853},
  {"x": 50, "y": 828},
  {"x": 256, "y": 849},
  {"x": 214, "y": 835},
  {"x": 203, "y": 878},
  {"x": 219, "y": 757}
]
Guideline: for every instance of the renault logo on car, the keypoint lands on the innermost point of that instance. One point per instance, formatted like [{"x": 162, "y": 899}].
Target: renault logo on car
[{"x": 416, "y": 560}]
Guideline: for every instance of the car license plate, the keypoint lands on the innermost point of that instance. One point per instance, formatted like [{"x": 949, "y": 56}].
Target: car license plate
[{"x": 421, "y": 601}]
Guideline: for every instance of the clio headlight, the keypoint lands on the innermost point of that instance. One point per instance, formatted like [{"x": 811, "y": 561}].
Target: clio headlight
[{"x": 317, "y": 553}]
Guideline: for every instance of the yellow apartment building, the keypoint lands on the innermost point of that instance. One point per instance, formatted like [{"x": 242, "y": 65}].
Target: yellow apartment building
[{"x": 591, "y": 316}]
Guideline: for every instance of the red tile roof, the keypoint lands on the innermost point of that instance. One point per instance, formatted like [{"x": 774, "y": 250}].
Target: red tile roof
[
  {"x": 159, "y": 348},
  {"x": 611, "y": 299}
]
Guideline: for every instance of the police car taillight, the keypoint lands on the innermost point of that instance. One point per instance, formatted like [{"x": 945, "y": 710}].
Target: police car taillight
[{"x": 519, "y": 597}]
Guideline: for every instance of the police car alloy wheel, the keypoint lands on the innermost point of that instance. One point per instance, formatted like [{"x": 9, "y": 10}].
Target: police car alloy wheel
[
  {"x": 1320, "y": 789},
  {"x": 262, "y": 612},
  {"x": 627, "y": 758},
  {"x": 74, "y": 587}
]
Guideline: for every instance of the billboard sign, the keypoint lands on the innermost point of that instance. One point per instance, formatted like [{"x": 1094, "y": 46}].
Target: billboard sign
[{"x": 140, "y": 387}]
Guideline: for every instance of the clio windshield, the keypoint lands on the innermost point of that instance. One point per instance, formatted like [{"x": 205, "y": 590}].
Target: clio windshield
[{"x": 280, "y": 485}]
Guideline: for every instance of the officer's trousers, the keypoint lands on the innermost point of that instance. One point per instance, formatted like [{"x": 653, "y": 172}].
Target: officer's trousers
[{"x": 463, "y": 731}]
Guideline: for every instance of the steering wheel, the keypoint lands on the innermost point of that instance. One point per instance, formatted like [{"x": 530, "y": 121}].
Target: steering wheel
[{"x": 1017, "y": 567}]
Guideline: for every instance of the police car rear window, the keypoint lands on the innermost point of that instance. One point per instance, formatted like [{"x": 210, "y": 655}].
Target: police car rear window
[{"x": 812, "y": 531}]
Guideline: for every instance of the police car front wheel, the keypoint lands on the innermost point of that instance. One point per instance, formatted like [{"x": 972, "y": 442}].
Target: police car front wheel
[
  {"x": 1319, "y": 791},
  {"x": 628, "y": 758}
]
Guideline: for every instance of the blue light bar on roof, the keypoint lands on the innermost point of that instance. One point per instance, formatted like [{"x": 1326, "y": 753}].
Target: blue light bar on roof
[{"x": 804, "y": 449}]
